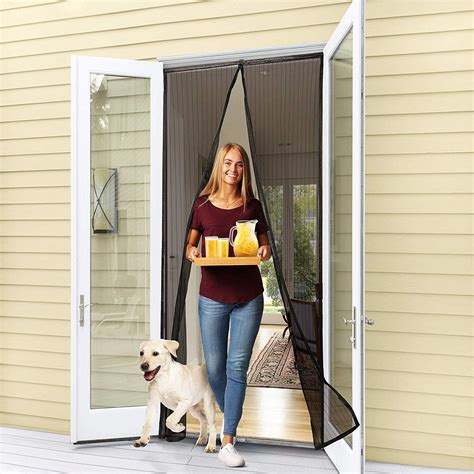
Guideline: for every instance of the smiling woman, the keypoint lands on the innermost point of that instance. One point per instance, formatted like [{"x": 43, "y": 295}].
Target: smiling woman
[
  {"x": 233, "y": 167},
  {"x": 229, "y": 297},
  {"x": 230, "y": 183}
]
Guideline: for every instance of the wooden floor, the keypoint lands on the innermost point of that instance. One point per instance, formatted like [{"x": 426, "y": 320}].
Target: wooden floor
[
  {"x": 261, "y": 404},
  {"x": 35, "y": 451}
]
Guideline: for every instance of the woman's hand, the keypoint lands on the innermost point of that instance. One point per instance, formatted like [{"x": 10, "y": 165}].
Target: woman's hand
[
  {"x": 192, "y": 253},
  {"x": 264, "y": 252},
  {"x": 193, "y": 241}
]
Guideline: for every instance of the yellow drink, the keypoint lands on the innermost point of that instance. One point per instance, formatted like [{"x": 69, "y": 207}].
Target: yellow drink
[
  {"x": 246, "y": 243},
  {"x": 223, "y": 247},
  {"x": 211, "y": 246}
]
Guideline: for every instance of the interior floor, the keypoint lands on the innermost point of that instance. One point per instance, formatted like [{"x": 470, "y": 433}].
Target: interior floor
[{"x": 269, "y": 413}]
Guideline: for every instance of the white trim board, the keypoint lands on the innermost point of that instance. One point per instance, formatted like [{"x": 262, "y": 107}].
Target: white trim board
[{"x": 234, "y": 56}]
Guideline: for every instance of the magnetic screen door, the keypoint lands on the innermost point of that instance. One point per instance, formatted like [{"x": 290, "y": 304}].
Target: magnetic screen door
[{"x": 283, "y": 113}]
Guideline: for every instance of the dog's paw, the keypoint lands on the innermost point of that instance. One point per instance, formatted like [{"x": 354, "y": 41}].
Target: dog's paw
[
  {"x": 140, "y": 443},
  {"x": 201, "y": 441},
  {"x": 178, "y": 428},
  {"x": 210, "y": 448},
  {"x": 175, "y": 427}
]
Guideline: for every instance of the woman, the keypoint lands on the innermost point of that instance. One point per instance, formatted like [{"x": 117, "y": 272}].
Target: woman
[{"x": 228, "y": 295}]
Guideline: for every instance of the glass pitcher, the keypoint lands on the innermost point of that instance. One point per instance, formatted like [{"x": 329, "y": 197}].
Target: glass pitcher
[{"x": 245, "y": 243}]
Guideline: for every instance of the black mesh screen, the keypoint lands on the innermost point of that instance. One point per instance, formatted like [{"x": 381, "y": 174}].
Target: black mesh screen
[
  {"x": 195, "y": 102},
  {"x": 282, "y": 100}
]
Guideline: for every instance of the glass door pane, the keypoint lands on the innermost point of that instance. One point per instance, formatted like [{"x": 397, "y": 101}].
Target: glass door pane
[
  {"x": 343, "y": 191},
  {"x": 305, "y": 241},
  {"x": 341, "y": 218},
  {"x": 275, "y": 201},
  {"x": 120, "y": 238}
]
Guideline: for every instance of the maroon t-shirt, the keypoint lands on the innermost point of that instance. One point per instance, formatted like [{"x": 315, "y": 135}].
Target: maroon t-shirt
[{"x": 236, "y": 284}]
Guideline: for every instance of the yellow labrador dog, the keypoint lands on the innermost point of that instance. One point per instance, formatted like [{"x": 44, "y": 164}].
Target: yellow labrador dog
[{"x": 180, "y": 388}]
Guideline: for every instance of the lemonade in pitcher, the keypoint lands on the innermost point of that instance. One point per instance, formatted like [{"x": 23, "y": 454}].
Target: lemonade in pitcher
[{"x": 245, "y": 243}]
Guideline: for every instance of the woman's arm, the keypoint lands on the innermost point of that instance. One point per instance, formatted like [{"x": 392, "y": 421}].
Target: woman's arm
[
  {"x": 264, "y": 251},
  {"x": 191, "y": 248}
]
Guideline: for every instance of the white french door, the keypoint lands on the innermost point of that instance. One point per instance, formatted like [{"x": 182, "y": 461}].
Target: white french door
[
  {"x": 116, "y": 209},
  {"x": 343, "y": 226}
]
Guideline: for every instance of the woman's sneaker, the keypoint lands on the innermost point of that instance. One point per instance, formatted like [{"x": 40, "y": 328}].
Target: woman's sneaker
[{"x": 230, "y": 457}]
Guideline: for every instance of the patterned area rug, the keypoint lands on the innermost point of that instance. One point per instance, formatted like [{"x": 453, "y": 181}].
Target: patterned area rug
[{"x": 274, "y": 366}]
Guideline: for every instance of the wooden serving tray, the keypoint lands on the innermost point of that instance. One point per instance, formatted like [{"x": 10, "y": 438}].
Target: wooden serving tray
[{"x": 223, "y": 261}]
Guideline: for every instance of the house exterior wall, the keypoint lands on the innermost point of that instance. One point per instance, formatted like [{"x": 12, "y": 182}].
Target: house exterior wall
[
  {"x": 419, "y": 203},
  {"x": 419, "y": 239}
]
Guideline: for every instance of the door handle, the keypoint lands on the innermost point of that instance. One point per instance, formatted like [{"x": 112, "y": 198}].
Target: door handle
[
  {"x": 370, "y": 322},
  {"x": 352, "y": 321},
  {"x": 348, "y": 321},
  {"x": 82, "y": 307}
]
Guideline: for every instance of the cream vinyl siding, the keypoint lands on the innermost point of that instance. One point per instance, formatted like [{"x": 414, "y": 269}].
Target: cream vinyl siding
[
  {"x": 419, "y": 204},
  {"x": 419, "y": 233}
]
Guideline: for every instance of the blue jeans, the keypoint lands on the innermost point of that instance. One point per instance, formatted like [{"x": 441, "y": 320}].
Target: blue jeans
[{"x": 227, "y": 372}]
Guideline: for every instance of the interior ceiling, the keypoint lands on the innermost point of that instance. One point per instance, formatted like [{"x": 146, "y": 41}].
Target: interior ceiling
[{"x": 284, "y": 98}]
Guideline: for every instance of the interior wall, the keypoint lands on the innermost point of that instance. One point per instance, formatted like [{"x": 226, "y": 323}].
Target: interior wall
[
  {"x": 234, "y": 128},
  {"x": 193, "y": 333}
]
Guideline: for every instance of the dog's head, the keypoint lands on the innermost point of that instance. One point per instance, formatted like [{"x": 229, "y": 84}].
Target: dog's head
[{"x": 156, "y": 354}]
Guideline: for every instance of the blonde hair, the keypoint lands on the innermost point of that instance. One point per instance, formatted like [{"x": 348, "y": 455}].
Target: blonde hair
[{"x": 215, "y": 181}]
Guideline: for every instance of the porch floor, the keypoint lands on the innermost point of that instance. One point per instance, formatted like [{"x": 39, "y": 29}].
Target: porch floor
[{"x": 35, "y": 451}]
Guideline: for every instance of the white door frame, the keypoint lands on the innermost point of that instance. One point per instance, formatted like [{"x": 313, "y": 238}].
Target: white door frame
[
  {"x": 81, "y": 147},
  {"x": 197, "y": 60},
  {"x": 98, "y": 424},
  {"x": 345, "y": 458}
]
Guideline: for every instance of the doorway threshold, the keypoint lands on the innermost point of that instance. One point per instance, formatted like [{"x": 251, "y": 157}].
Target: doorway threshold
[{"x": 259, "y": 440}]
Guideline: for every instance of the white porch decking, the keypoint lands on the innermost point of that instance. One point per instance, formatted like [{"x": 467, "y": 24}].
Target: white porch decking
[{"x": 35, "y": 451}]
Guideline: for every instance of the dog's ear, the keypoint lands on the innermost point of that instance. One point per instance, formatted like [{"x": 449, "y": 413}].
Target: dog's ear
[{"x": 171, "y": 346}]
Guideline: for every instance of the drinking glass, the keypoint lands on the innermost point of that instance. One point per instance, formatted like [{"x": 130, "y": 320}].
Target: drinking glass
[
  {"x": 211, "y": 246},
  {"x": 223, "y": 247}
]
